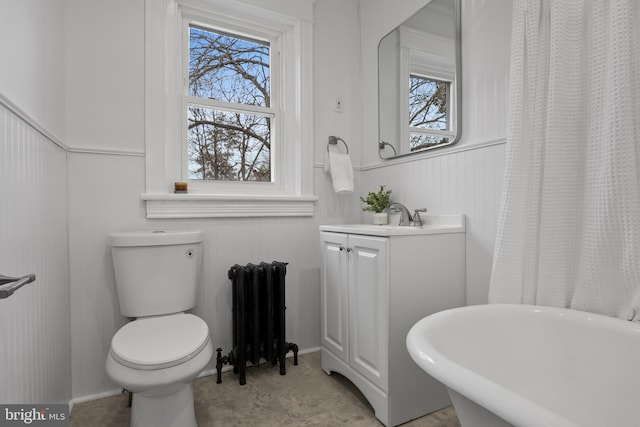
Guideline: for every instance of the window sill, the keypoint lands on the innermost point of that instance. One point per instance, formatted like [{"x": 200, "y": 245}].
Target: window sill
[{"x": 160, "y": 206}]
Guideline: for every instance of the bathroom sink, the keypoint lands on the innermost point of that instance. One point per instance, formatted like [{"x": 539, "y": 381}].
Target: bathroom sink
[{"x": 431, "y": 224}]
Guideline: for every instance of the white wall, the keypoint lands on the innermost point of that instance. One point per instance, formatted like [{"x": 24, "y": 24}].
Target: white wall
[
  {"x": 105, "y": 128},
  {"x": 465, "y": 178},
  {"x": 336, "y": 75},
  {"x": 32, "y": 71},
  {"x": 34, "y": 322},
  {"x": 105, "y": 75}
]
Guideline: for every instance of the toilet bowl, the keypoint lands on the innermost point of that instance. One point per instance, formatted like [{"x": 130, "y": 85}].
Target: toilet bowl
[
  {"x": 157, "y": 358},
  {"x": 157, "y": 355}
]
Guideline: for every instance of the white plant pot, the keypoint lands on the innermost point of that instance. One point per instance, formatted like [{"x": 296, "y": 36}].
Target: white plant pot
[{"x": 381, "y": 218}]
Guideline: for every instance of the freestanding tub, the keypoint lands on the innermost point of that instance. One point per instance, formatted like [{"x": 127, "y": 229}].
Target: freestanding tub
[{"x": 529, "y": 365}]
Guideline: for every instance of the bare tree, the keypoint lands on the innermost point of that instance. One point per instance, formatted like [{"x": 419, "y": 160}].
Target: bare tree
[
  {"x": 428, "y": 105},
  {"x": 225, "y": 144}
]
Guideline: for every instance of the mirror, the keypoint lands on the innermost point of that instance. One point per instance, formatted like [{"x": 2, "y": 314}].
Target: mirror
[{"x": 419, "y": 82}]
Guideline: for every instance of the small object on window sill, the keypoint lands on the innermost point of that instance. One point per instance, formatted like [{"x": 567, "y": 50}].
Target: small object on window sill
[{"x": 180, "y": 188}]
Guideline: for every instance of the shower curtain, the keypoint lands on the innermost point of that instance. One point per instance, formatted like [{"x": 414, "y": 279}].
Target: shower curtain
[{"x": 569, "y": 225}]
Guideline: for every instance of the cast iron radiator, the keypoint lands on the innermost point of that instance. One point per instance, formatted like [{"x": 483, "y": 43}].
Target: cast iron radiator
[{"x": 258, "y": 296}]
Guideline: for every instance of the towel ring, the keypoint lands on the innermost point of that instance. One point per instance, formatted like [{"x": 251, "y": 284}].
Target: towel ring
[
  {"x": 383, "y": 144},
  {"x": 333, "y": 140}
]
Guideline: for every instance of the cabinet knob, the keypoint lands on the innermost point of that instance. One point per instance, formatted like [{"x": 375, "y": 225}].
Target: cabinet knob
[
  {"x": 341, "y": 248},
  {"x": 349, "y": 249}
]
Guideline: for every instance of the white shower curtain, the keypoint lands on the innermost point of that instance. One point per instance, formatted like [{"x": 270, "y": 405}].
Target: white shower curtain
[{"x": 569, "y": 226}]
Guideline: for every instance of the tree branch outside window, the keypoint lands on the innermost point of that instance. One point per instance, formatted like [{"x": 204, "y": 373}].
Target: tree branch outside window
[{"x": 224, "y": 143}]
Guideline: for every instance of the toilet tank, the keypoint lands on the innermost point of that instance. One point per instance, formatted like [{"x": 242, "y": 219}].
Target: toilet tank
[{"x": 156, "y": 272}]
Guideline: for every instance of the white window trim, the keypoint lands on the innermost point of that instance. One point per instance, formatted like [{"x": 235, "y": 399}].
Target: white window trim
[{"x": 163, "y": 112}]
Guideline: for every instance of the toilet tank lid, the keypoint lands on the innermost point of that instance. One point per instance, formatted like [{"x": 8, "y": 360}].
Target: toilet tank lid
[{"x": 154, "y": 238}]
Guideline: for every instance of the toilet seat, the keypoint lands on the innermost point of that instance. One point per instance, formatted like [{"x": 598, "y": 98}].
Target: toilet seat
[{"x": 160, "y": 342}]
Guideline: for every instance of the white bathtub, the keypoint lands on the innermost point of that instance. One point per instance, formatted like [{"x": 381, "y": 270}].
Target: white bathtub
[{"x": 532, "y": 366}]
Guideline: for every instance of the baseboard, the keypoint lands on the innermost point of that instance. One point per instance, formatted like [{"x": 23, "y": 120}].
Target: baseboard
[{"x": 96, "y": 396}]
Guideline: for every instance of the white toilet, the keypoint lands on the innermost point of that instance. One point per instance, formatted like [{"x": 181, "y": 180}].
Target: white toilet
[{"x": 157, "y": 356}]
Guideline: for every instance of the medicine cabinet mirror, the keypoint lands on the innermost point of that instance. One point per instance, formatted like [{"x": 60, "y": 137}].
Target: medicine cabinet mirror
[{"x": 419, "y": 82}]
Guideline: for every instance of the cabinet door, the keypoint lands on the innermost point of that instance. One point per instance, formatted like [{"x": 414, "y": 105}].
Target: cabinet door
[
  {"x": 335, "y": 294},
  {"x": 369, "y": 307}
]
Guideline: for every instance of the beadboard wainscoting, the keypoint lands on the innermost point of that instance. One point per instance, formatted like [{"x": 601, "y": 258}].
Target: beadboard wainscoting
[
  {"x": 469, "y": 181},
  {"x": 35, "y": 344}
]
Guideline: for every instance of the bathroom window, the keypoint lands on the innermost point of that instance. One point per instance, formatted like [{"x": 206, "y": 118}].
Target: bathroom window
[
  {"x": 429, "y": 112},
  {"x": 230, "y": 107},
  {"x": 225, "y": 119}
]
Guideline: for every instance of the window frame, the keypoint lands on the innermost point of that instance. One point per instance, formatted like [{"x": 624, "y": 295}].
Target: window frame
[{"x": 166, "y": 86}]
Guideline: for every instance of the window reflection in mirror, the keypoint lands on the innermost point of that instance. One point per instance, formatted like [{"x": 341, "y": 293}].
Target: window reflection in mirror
[
  {"x": 429, "y": 112},
  {"x": 418, "y": 82}
]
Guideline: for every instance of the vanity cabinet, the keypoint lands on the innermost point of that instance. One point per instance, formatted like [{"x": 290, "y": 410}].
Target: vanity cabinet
[
  {"x": 376, "y": 284},
  {"x": 354, "y": 297}
]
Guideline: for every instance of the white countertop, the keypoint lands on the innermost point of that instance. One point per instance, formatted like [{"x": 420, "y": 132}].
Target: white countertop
[{"x": 431, "y": 224}]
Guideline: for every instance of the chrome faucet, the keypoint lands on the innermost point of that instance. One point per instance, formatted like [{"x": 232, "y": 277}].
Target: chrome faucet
[{"x": 405, "y": 216}]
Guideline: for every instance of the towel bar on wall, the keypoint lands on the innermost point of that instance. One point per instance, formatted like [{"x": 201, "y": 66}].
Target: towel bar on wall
[
  {"x": 8, "y": 285},
  {"x": 333, "y": 140}
]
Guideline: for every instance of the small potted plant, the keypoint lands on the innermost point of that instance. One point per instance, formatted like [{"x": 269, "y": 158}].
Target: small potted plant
[{"x": 378, "y": 203}]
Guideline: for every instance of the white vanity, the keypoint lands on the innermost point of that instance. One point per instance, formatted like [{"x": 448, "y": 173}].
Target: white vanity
[{"x": 377, "y": 282}]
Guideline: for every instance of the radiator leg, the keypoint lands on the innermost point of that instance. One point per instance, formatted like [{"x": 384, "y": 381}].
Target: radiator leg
[
  {"x": 283, "y": 368},
  {"x": 293, "y": 347},
  {"x": 274, "y": 358},
  {"x": 240, "y": 363},
  {"x": 243, "y": 375},
  {"x": 282, "y": 358}
]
